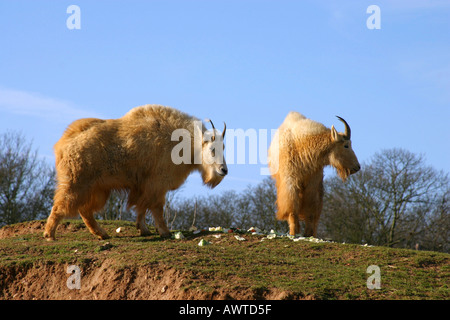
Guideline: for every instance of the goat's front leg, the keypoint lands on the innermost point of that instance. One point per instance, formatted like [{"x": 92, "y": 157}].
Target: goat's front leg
[
  {"x": 160, "y": 224},
  {"x": 140, "y": 222}
]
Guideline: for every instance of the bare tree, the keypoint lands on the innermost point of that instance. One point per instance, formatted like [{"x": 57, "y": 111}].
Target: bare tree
[
  {"x": 26, "y": 182},
  {"x": 187, "y": 213},
  {"x": 393, "y": 201},
  {"x": 262, "y": 206},
  {"x": 171, "y": 215},
  {"x": 116, "y": 207},
  {"x": 255, "y": 206}
]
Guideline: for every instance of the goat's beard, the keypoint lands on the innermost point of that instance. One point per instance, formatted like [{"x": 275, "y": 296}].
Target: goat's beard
[
  {"x": 211, "y": 178},
  {"x": 343, "y": 173}
]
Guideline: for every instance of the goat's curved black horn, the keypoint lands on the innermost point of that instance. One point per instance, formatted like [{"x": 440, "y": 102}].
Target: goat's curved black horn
[
  {"x": 348, "y": 132},
  {"x": 214, "y": 129}
]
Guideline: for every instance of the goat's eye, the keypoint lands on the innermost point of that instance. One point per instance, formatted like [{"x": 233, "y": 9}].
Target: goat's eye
[{"x": 346, "y": 146}]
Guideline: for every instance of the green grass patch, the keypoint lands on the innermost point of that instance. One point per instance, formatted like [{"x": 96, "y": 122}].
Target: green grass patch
[{"x": 303, "y": 269}]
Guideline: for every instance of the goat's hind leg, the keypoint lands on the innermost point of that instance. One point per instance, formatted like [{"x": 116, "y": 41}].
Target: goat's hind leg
[
  {"x": 52, "y": 223},
  {"x": 96, "y": 203},
  {"x": 93, "y": 226},
  {"x": 294, "y": 224},
  {"x": 61, "y": 208}
]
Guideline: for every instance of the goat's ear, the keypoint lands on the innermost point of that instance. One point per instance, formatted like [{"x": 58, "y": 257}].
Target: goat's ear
[{"x": 334, "y": 134}]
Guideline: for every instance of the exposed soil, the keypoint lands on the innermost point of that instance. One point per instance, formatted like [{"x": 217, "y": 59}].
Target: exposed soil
[
  {"x": 107, "y": 283},
  {"x": 234, "y": 265},
  {"x": 107, "y": 280},
  {"x": 10, "y": 231}
]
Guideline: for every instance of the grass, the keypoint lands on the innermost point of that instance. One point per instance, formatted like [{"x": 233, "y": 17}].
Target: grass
[{"x": 302, "y": 269}]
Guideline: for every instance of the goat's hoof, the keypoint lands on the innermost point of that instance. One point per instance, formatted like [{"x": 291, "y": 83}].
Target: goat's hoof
[
  {"x": 144, "y": 233},
  {"x": 49, "y": 237},
  {"x": 103, "y": 237}
]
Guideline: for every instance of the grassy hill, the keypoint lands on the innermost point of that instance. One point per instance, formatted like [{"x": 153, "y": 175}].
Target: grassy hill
[{"x": 128, "y": 266}]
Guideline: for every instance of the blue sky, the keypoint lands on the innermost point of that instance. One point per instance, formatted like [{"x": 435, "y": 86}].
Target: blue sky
[{"x": 245, "y": 62}]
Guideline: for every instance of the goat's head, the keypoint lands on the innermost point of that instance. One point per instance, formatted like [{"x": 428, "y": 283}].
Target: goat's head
[
  {"x": 214, "y": 167},
  {"x": 342, "y": 156}
]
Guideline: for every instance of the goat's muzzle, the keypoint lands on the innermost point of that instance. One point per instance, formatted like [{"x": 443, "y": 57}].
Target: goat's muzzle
[
  {"x": 355, "y": 169},
  {"x": 223, "y": 171}
]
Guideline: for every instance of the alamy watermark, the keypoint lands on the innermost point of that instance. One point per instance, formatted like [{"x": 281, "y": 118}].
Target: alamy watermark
[
  {"x": 74, "y": 20},
  {"x": 374, "y": 20},
  {"x": 242, "y": 147},
  {"x": 374, "y": 280},
  {"x": 74, "y": 281}
]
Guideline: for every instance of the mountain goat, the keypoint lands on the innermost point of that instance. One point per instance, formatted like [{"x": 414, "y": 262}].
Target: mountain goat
[
  {"x": 133, "y": 153},
  {"x": 301, "y": 148}
]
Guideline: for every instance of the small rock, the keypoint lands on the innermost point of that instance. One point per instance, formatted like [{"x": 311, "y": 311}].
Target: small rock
[
  {"x": 203, "y": 242},
  {"x": 178, "y": 235}
]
